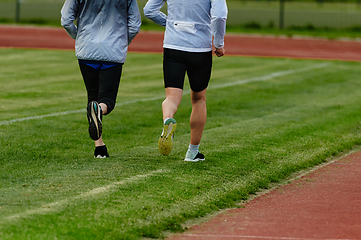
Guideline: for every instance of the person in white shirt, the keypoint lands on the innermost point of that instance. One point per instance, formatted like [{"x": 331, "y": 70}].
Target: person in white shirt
[{"x": 190, "y": 26}]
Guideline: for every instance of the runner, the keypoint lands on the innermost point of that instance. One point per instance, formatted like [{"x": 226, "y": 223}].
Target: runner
[
  {"x": 188, "y": 48},
  {"x": 102, "y": 34}
]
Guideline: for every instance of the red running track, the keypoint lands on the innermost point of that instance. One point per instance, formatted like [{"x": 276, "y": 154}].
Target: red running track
[
  {"x": 56, "y": 38},
  {"x": 324, "y": 204}
]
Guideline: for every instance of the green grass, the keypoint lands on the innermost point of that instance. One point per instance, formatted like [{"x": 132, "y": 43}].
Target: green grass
[{"x": 267, "y": 119}]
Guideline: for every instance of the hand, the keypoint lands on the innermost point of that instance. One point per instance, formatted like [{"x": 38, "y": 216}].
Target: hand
[{"x": 220, "y": 52}]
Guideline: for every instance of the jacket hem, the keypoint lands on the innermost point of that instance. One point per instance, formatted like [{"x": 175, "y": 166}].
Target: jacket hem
[{"x": 186, "y": 49}]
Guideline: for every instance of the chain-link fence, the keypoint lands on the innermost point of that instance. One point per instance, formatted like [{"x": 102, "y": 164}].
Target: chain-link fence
[
  {"x": 25, "y": 10},
  {"x": 284, "y": 13},
  {"x": 259, "y": 13}
]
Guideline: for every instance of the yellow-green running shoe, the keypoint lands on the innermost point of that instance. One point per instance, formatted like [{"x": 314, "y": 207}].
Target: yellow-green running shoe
[{"x": 165, "y": 142}]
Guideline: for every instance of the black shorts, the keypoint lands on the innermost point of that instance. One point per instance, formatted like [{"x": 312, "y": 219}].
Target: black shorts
[{"x": 198, "y": 66}]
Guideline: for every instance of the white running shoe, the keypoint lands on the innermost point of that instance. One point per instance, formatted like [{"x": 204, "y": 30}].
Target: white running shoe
[{"x": 191, "y": 157}]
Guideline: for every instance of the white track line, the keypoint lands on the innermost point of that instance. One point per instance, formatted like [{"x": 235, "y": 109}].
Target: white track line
[
  {"x": 229, "y": 84},
  {"x": 41, "y": 116},
  {"x": 269, "y": 76},
  {"x": 57, "y": 206}
]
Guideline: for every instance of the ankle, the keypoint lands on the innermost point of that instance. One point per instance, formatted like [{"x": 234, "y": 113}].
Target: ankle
[
  {"x": 193, "y": 148},
  {"x": 104, "y": 108}
]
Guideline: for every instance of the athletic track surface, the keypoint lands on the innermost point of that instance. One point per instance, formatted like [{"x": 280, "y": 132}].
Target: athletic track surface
[
  {"x": 56, "y": 38},
  {"x": 322, "y": 204}
]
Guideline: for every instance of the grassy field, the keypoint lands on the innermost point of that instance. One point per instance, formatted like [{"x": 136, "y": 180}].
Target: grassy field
[{"x": 267, "y": 119}]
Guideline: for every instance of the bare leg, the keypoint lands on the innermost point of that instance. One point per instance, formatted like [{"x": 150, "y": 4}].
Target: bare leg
[
  {"x": 169, "y": 107},
  {"x": 171, "y": 102},
  {"x": 99, "y": 142},
  {"x": 198, "y": 116},
  {"x": 104, "y": 108}
]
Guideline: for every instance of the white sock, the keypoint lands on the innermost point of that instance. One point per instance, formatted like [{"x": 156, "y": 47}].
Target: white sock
[{"x": 193, "y": 148}]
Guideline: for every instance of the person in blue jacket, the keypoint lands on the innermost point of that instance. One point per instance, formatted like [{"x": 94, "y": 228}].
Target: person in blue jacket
[
  {"x": 190, "y": 26},
  {"x": 103, "y": 31}
]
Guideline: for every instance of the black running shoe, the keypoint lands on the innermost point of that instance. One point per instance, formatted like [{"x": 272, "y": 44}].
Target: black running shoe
[
  {"x": 95, "y": 115},
  {"x": 101, "y": 152}
]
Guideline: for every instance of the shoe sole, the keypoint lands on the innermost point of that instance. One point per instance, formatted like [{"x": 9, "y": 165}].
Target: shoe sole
[
  {"x": 165, "y": 142},
  {"x": 95, "y": 125},
  {"x": 194, "y": 160}
]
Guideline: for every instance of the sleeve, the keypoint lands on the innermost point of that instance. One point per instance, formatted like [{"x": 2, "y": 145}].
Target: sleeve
[
  {"x": 134, "y": 20},
  {"x": 219, "y": 13},
  {"x": 152, "y": 11},
  {"x": 69, "y": 13}
]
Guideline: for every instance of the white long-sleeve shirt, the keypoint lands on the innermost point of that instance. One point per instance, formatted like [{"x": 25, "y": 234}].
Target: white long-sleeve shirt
[{"x": 190, "y": 24}]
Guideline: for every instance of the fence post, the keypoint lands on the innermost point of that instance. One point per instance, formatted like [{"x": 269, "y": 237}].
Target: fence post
[
  {"x": 17, "y": 11},
  {"x": 282, "y": 14}
]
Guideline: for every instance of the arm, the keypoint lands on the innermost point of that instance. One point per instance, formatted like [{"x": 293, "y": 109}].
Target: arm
[
  {"x": 152, "y": 11},
  {"x": 134, "y": 20},
  {"x": 69, "y": 13},
  {"x": 219, "y": 13}
]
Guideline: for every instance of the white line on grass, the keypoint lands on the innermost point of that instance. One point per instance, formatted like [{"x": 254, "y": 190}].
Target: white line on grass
[
  {"x": 229, "y": 84},
  {"x": 40, "y": 116},
  {"x": 56, "y": 206},
  {"x": 268, "y": 77}
]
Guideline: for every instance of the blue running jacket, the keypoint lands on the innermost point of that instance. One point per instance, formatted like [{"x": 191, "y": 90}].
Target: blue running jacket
[
  {"x": 104, "y": 28},
  {"x": 190, "y": 24}
]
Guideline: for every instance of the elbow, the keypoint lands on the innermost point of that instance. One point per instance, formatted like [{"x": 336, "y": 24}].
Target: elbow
[
  {"x": 65, "y": 23},
  {"x": 220, "y": 18},
  {"x": 136, "y": 29},
  {"x": 132, "y": 32},
  {"x": 148, "y": 13}
]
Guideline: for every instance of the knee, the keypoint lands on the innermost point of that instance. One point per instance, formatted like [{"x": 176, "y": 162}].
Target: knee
[
  {"x": 198, "y": 100},
  {"x": 172, "y": 99}
]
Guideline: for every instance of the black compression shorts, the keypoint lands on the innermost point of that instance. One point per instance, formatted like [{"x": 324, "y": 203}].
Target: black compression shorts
[
  {"x": 102, "y": 83},
  {"x": 198, "y": 66}
]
